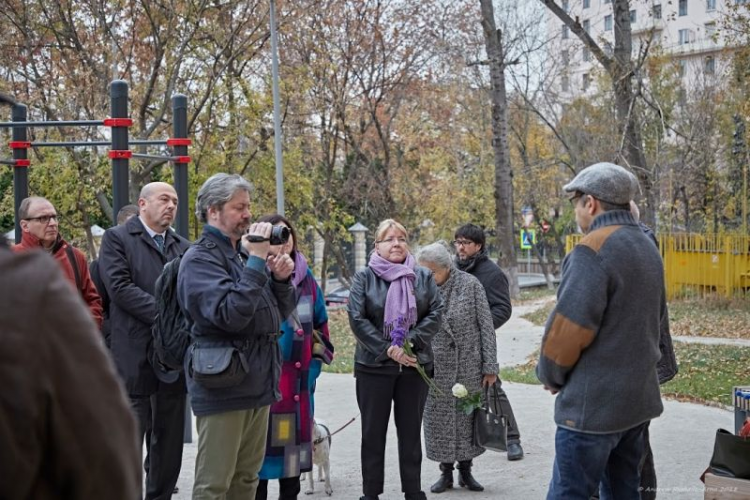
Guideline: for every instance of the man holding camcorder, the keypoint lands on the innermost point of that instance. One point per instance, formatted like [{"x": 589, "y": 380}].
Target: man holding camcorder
[{"x": 236, "y": 308}]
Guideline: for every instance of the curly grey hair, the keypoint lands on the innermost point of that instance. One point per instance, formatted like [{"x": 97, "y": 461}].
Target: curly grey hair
[
  {"x": 217, "y": 190},
  {"x": 435, "y": 253}
]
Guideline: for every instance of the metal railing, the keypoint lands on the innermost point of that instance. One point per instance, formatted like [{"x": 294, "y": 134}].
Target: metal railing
[{"x": 701, "y": 264}]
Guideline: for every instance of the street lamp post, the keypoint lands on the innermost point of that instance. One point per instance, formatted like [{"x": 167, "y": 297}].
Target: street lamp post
[{"x": 276, "y": 113}]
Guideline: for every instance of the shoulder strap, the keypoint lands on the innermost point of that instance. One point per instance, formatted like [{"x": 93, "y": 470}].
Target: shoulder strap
[{"x": 74, "y": 265}]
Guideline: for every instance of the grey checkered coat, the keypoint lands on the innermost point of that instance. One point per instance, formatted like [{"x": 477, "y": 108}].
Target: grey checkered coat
[{"x": 465, "y": 349}]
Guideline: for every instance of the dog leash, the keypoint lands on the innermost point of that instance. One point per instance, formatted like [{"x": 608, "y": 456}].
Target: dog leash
[{"x": 321, "y": 439}]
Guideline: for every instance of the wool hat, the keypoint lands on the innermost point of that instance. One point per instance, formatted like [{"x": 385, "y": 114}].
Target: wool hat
[{"x": 606, "y": 182}]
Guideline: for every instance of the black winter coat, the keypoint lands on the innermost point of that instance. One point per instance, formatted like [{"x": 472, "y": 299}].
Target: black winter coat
[
  {"x": 231, "y": 304},
  {"x": 129, "y": 264},
  {"x": 367, "y": 310},
  {"x": 495, "y": 285}
]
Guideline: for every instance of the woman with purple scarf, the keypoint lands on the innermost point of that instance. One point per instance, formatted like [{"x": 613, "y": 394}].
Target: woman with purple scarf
[
  {"x": 392, "y": 302},
  {"x": 304, "y": 345}
]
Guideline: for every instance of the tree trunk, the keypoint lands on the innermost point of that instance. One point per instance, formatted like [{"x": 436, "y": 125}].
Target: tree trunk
[{"x": 503, "y": 173}]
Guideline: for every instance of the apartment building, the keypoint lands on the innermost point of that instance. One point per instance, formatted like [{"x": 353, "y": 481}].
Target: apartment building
[{"x": 683, "y": 29}]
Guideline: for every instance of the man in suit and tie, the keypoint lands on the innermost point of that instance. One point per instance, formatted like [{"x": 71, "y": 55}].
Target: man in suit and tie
[{"x": 131, "y": 258}]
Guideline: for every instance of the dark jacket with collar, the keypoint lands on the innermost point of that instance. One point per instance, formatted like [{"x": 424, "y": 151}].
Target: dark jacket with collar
[
  {"x": 495, "y": 285},
  {"x": 367, "y": 311},
  {"x": 233, "y": 304},
  {"x": 129, "y": 264}
]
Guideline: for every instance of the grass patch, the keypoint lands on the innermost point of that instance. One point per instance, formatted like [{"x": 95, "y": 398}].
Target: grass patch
[
  {"x": 533, "y": 294},
  {"x": 707, "y": 373},
  {"x": 343, "y": 342},
  {"x": 539, "y": 316},
  {"x": 710, "y": 317}
]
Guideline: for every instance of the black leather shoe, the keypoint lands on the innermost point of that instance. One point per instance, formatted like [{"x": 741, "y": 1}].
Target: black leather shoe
[
  {"x": 446, "y": 479},
  {"x": 465, "y": 479},
  {"x": 415, "y": 496},
  {"x": 515, "y": 452}
]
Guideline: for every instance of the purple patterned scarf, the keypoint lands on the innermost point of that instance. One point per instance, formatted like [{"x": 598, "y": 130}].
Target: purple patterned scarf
[
  {"x": 300, "y": 269},
  {"x": 400, "y": 303}
]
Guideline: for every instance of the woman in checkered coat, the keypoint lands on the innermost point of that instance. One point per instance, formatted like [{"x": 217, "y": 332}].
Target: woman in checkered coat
[{"x": 465, "y": 353}]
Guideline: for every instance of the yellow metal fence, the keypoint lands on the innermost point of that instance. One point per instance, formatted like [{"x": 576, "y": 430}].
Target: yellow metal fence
[{"x": 699, "y": 264}]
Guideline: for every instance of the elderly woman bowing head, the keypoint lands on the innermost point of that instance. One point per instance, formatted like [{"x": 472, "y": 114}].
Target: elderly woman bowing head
[
  {"x": 465, "y": 353},
  {"x": 392, "y": 302}
]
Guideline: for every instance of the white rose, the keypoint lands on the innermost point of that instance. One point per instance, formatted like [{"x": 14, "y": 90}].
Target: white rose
[{"x": 460, "y": 391}]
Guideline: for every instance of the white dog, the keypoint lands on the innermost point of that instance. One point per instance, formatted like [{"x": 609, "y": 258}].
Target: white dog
[{"x": 321, "y": 458}]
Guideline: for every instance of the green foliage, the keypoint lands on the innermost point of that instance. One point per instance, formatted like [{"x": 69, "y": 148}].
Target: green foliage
[
  {"x": 539, "y": 316},
  {"x": 343, "y": 342}
]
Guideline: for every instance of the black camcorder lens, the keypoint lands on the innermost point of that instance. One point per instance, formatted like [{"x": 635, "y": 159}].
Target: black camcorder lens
[{"x": 279, "y": 235}]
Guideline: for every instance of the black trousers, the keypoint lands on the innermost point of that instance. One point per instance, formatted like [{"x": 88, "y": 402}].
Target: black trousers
[
  {"x": 164, "y": 414},
  {"x": 289, "y": 488},
  {"x": 375, "y": 393},
  {"x": 514, "y": 436}
]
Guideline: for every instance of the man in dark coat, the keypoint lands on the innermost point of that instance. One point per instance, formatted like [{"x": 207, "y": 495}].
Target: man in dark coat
[
  {"x": 131, "y": 259},
  {"x": 123, "y": 216},
  {"x": 472, "y": 257}
]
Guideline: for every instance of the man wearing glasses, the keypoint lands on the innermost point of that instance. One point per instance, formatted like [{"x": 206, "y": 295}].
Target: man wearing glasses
[
  {"x": 600, "y": 347},
  {"x": 473, "y": 258},
  {"x": 41, "y": 232}
]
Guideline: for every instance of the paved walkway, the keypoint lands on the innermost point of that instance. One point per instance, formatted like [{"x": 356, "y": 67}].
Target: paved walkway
[{"x": 682, "y": 439}]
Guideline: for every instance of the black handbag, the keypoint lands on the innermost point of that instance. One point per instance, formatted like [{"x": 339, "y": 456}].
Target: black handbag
[
  {"x": 217, "y": 367},
  {"x": 490, "y": 425},
  {"x": 731, "y": 456}
]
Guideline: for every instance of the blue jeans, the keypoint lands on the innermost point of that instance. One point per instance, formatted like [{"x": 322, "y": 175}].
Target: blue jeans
[{"x": 583, "y": 460}]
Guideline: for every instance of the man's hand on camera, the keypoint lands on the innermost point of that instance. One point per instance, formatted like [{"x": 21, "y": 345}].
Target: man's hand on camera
[
  {"x": 281, "y": 266},
  {"x": 259, "y": 249}
]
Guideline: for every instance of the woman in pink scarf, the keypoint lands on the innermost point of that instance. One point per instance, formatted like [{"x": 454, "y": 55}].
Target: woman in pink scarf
[{"x": 392, "y": 301}]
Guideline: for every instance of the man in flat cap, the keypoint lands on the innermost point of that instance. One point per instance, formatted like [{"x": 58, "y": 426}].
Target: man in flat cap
[{"x": 601, "y": 343}]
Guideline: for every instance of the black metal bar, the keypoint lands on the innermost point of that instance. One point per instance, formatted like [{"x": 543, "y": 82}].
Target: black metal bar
[
  {"x": 8, "y": 162},
  {"x": 118, "y": 93},
  {"x": 145, "y": 156},
  {"x": 180, "y": 173},
  {"x": 96, "y": 143},
  {"x": 62, "y": 123},
  {"x": 20, "y": 174},
  {"x": 70, "y": 144}
]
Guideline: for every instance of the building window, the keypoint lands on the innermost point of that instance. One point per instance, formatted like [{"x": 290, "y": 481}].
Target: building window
[
  {"x": 586, "y": 4},
  {"x": 633, "y": 18},
  {"x": 683, "y": 7},
  {"x": 585, "y": 82},
  {"x": 709, "y": 65},
  {"x": 710, "y": 5},
  {"x": 565, "y": 83},
  {"x": 565, "y": 57},
  {"x": 607, "y": 1},
  {"x": 566, "y": 6},
  {"x": 565, "y": 32},
  {"x": 681, "y": 67},
  {"x": 710, "y": 29},
  {"x": 586, "y": 25},
  {"x": 586, "y": 54},
  {"x": 608, "y": 49},
  {"x": 685, "y": 36},
  {"x": 656, "y": 11},
  {"x": 608, "y": 22}
]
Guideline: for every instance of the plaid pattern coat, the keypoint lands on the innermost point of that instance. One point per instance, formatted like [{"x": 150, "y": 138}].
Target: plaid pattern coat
[
  {"x": 289, "y": 440},
  {"x": 465, "y": 350}
]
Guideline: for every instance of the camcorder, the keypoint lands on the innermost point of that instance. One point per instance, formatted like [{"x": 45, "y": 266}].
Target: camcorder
[{"x": 279, "y": 236}]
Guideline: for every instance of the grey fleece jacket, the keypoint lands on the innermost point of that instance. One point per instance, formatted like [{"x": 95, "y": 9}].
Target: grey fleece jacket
[{"x": 601, "y": 342}]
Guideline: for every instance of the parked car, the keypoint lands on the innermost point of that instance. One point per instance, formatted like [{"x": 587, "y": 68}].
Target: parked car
[{"x": 340, "y": 296}]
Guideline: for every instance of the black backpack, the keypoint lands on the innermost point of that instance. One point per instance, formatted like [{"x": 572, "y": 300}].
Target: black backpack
[{"x": 171, "y": 329}]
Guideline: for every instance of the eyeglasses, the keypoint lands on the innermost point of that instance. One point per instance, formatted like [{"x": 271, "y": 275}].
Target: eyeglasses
[
  {"x": 574, "y": 199},
  {"x": 462, "y": 243},
  {"x": 391, "y": 241},
  {"x": 44, "y": 219}
]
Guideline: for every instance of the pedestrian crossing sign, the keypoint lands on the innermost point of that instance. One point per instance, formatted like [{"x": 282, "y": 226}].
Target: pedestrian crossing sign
[{"x": 528, "y": 239}]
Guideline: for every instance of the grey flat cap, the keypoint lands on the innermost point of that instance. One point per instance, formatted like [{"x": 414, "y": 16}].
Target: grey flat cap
[{"x": 605, "y": 181}]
